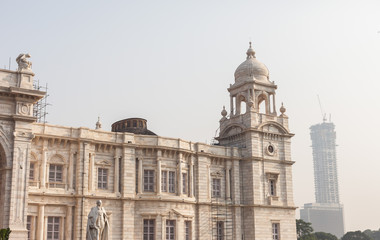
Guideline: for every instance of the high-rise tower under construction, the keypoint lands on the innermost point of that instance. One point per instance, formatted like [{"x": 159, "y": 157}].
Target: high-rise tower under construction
[
  {"x": 326, "y": 215},
  {"x": 323, "y": 138}
]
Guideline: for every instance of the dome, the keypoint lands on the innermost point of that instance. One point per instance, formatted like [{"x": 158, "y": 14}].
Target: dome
[
  {"x": 132, "y": 125},
  {"x": 251, "y": 69}
]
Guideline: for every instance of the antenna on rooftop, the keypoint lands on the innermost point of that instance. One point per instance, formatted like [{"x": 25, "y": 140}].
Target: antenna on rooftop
[{"x": 322, "y": 112}]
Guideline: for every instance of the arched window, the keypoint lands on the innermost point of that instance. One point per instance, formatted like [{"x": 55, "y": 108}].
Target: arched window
[
  {"x": 262, "y": 102},
  {"x": 4, "y": 193},
  {"x": 243, "y": 107}
]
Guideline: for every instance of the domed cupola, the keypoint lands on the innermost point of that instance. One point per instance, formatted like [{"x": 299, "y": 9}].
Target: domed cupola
[{"x": 251, "y": 69}]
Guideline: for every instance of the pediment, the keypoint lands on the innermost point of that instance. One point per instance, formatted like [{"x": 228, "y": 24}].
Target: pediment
[
  {"x": 104, "y": 163},
  {"x": 217, "y": 174},
  {"x": 231, "y": 131},
  {"x": 273, "y": 127}
]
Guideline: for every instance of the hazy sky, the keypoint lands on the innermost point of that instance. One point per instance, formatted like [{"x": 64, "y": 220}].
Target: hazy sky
[{"x": 172, "y": 61}]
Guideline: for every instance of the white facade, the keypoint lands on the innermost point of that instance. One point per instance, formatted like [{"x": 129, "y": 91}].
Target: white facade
[{"x": 150, "y": 186}]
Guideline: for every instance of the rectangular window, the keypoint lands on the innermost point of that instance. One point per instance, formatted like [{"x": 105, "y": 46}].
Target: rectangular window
[
  {"x": 216, "y": 187},
  {"x": 275, "y": 231},
  {"x": 172, "y": 182},
  {"x": 164, "y": 179},
  {"x": 170, "y": 229},
  {"x": 149, "y": 180},
  {"x": 28, "y": 224},
  {"x": 55, "y": 173},
  {"x": 272, "y": 187},
  {"x": 53, "y": 228},
  {"x": 220, "y": 230},
  {"x": 31, "y": 171},
  {"x": 149, "y": 229},
  {"x": 187, "y": 230},
  {"x": 102, "y": 178},
  {"x": 184, "y": 183}
]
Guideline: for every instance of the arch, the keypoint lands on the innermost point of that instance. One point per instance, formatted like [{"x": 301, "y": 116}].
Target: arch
[
  {"x": 57, "y": 158},
  {"x": 3, "y": 159},
  {"x": 243, "y": 107},
  {"x": 275, "y": 124},
  {"x": 6, "y": 147},
  {"x": 238, "y": 128},
  {"x": 241, "y": 103},
  {"x": 5, "y": 180},
  {"x": 262, "y": 102}
]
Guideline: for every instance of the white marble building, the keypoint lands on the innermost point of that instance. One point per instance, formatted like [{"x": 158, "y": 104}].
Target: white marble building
[{"x": 152, "y": 187}]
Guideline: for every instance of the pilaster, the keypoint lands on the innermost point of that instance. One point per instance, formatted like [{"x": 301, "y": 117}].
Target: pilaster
[
  {"x": 116, "y": 174},
  {"x": 158, "y": 180},
  {"x": 179, "y": 171},
  {"x": 40, "y": 222},
  {"x": 191, "y": 178}
]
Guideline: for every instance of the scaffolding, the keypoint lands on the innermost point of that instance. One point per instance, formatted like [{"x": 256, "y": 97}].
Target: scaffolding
[
  {"x": 40, "y": 107},
  {"x": 222, "y": 222}
]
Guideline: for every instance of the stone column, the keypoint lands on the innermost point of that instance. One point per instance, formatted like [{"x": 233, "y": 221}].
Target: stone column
[
  {"x": 43, "y": 166},
  {"x": 191, "y": 178},
  {"x": 228, "y": 187},
  {"x": 116, "y": 175},
  {"x": 19, "y": 189},
  {"x": 179, "y": 169},
  {"x": 91, "y": 173},
  {"x": 235, "y": 181},
  {"x": 274, "y": 104},
  {"x": 231, "y": 105},
  {"x": 180, "y": 227},
  {"x": 140, "y": 177},
  {"x": 68, "y": 223},
  {"x": 267, "y": 105},
  {"x": 40, "y": 222},
  {"x": 32, "y": 231},
  {"x": 84, "y": 169},
  {"x": 238, "y": 104},
  {"x": 45, "y": 227},
  {"x": 158, "y": 175},
  {"x": 163, "y": 228},
  {"x": 62, "y": 228},
  {"x": 70, "y": 170}
]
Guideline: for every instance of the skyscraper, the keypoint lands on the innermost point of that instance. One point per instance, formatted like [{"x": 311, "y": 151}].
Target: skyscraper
[
  {"x": 323, "y": 139},
  {"x": 326, "y": 215}
]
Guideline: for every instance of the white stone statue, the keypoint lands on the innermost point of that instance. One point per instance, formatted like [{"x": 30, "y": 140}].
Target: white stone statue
[
  {"x": 97, "y": 223},
  {"x": 23, "y": 63}
]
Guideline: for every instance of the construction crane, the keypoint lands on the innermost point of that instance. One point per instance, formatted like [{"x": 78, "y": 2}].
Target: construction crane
[{"x": 322, "y": 112}]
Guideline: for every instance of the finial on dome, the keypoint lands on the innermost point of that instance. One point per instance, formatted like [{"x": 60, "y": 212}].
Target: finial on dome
[
  {"x": 250, "y": 51},
  {"x": 224, "y": 112},
  {"x": 282, "y": 109},
  {"x": 98, "y": 124}
]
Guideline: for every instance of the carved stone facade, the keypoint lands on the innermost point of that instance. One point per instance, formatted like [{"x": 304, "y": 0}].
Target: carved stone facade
[{"x": 151, "y": 186}]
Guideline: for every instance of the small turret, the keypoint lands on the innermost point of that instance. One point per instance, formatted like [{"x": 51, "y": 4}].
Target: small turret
[{"x": 98, "y": 124}]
